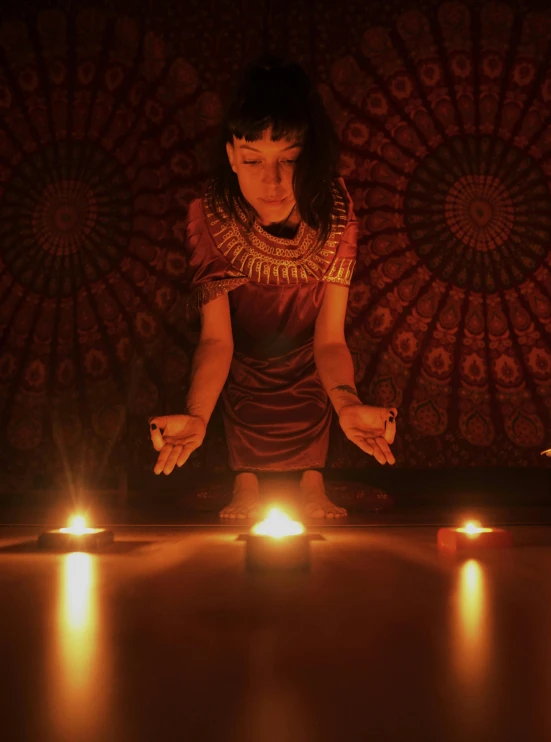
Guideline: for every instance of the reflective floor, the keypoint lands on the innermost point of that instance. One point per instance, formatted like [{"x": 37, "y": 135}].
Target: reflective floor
[{"x": 165, "y": 636}]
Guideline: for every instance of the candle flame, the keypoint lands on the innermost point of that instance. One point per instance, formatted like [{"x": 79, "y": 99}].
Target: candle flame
[
  {"x": 472, "y": 528},
  {"x": 77, "y": 526},
  {"x": 277, "y": 524}
]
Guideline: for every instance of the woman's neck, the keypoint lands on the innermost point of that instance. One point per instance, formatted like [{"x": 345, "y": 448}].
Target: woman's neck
[
  {"x": 281, "y": 229},
  {"x": 285, "y": 227}
]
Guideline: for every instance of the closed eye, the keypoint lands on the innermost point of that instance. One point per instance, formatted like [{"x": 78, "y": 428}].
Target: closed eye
[{"x": 257, "y": 162}]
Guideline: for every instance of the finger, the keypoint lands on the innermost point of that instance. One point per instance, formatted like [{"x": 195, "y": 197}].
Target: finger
[
  {"x": 163, "y": 457},
  {"x": 160, "y": 422},
  {"x": 171, "y": 460},
  {"x": 377, "y": 452},
  {"x": 180, "y": 440},
  {"x": 390, "y": 430},
  {"x": 363, "y": 444},
  {"x": 156, "y": 427},
  {"x": 186, "y": 453},
  {"x": 385, "y": 450},
  {"x": 366, "y": 432},
  {"x": 156, "y": 438}
]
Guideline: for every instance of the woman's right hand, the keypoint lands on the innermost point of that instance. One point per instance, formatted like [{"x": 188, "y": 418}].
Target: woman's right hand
[{"x": 175, "y": 437}]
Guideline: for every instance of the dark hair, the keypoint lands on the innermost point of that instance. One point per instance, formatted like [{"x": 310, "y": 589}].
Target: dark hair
[{"x": 278, "y": 94}]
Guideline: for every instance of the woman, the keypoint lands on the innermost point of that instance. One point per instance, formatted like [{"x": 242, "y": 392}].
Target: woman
[{"x": 272, "y": 247}]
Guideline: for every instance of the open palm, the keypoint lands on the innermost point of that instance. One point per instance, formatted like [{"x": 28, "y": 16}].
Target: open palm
[
  {"x": 371, "y": 429},
  {"x": 175, "y": 437}
]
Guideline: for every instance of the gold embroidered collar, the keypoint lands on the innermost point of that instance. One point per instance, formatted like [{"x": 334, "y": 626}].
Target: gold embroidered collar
[{"x": 268, "y": 259}]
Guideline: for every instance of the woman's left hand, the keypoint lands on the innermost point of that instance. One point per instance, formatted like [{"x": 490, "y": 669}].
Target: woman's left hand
[{"x": 371, "y": 429}]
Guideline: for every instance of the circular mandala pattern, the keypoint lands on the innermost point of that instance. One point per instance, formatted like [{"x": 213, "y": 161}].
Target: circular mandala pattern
[
  {"x": 455, "y": 211},
  {"x": 65, "y": 205},
  {"x": 105, "y": 138},
  {"x": 447, "y": 154},
  {"x": 479, "y": 211},
  {"x": 65, "y": 216}
]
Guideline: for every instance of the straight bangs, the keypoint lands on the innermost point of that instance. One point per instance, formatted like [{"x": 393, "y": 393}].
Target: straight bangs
[
  {"x": 286, "y": 115},
  {"x": 278, "y": 96}
]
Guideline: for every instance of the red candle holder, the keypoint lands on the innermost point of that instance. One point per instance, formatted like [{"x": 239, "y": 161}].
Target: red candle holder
[{"x": 472, "y": 537}]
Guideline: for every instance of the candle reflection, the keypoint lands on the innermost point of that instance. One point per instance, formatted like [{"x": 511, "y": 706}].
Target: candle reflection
[
  {"x": 77, "y": 682},
  {"x": 77, "y": 618},
  {"x": 76, "y": 611},
  {"x": 470, "y": 621}
]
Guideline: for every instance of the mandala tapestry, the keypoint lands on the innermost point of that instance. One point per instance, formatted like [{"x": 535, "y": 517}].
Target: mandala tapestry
[{"x": 107, "y": 123}]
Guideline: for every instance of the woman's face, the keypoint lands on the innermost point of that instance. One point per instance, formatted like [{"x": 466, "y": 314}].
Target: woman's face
[{"x": 265, "y": 170}]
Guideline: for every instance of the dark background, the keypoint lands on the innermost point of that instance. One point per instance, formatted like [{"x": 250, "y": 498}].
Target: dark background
[{"x": 108, "y": 114}]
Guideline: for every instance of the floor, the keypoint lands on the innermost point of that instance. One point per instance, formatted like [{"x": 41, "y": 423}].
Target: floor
[{"x": 165, "y": 636}]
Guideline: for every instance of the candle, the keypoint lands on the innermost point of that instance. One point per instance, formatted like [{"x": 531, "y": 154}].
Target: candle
[
  {"x": 278, "y": 542},
  {"x": 472, "y": 537},
  {"x": 76, "y": 536}
]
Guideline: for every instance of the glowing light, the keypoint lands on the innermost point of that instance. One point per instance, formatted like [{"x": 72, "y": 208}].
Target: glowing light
[
  {"x": 277, "y": 525},
  {"x": 78, "y": 582},
  {"x": 471, "y": 628},
  {"x": 473, "y": 529},
  {"x": 77, "y": 526},
  {"x": 78, "y": 670}
]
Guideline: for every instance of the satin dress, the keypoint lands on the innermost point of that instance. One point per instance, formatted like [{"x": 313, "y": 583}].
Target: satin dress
[{"x": 276, "y": 412}]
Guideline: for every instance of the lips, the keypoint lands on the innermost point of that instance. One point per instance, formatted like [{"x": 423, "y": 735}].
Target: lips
[{"x": 273, "y": 200}]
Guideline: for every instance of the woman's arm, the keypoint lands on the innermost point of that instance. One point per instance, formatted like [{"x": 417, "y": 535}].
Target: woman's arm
[
  {"x": 212, "y": 358},
  {"x": 370, "y": 428},
  {"x": 332, "y": 356}
]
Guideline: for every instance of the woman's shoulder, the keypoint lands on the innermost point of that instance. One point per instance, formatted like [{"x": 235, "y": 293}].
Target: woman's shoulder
[
  {"x": 342, "y": 212},
  {"x": 195, "y": 210},
  {"x": 343, "y": 195},
  {"x": 197, "y": 222},
  {"x": 198, "y": 233}
]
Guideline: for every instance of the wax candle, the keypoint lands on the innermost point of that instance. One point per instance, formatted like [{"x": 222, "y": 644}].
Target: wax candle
[{"x": 473, "y": 537}]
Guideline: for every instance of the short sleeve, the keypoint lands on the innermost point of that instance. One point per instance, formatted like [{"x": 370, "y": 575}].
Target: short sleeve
[
  {"x": 342, "y": 267},
  {"x": 210, "y": 274}
]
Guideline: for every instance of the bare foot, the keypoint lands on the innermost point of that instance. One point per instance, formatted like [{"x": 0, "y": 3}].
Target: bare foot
[
  {"x": 245, "y": 500},
  {"x": 315, "y": 503}
]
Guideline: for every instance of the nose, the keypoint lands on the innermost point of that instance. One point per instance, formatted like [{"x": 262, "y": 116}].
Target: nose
[{"x": 272, "y": 174}]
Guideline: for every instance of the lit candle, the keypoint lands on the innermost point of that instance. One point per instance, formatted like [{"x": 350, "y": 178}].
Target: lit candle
[
  {"x": 277, "y": 525},
  {"x": 278, "y": 542},
  {"x": 473, "y": 537},
  {"x": 76, "y": 536},
  {"x": 77, "y": 526}
]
